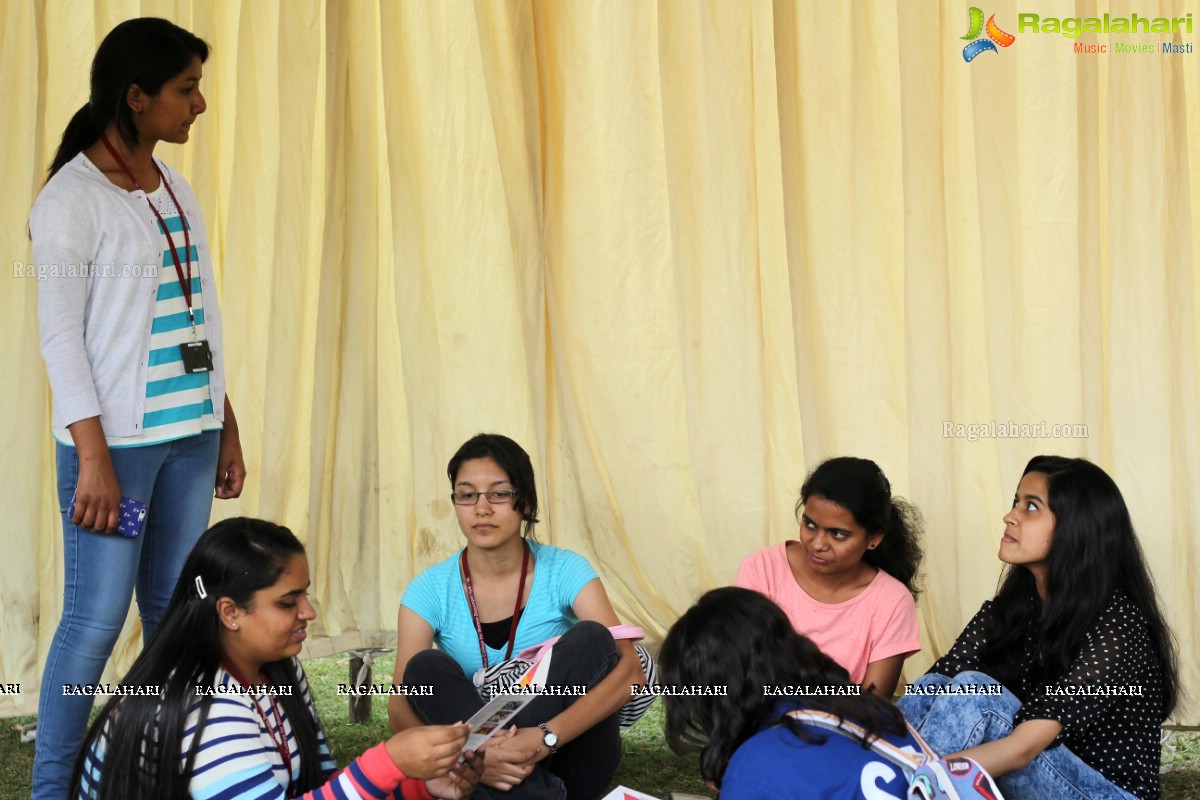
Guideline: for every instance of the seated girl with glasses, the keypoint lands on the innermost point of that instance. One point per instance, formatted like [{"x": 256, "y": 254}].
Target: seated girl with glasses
[
  {"x": 849, "y": 582},
  {"x": 503, "y": 593},
  {"x": 218, "y": 706}
]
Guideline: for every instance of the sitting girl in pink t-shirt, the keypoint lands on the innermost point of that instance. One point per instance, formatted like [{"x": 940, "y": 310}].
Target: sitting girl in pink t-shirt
[{"x": 849, "y": 582}]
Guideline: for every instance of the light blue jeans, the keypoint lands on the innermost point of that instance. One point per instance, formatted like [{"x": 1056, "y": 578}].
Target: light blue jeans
[
  {"x": 101, "y": 572},
  {"x": 953, "y": 722}
]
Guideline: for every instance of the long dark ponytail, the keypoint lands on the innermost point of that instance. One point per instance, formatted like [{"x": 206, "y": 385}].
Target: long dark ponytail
[
  {"x": 1094, "y": 553},
  {"x": 859, "y": 486},
  {"x": 146, "y": 51},
  {"x": 144, "y": 734}
]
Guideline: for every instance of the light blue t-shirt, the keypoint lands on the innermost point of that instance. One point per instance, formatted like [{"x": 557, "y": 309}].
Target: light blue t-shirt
[{"x": 437, "y": 596}]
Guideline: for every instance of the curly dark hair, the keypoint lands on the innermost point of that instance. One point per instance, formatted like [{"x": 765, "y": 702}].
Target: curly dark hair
[
  {"x": 740, "y": 639},
  {"x": 859, "y": 486}
]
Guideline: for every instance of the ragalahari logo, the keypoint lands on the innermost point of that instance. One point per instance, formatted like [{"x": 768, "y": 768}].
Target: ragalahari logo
[{"x": 995, "y": 36}]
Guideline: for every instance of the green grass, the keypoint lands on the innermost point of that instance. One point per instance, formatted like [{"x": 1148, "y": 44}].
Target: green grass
[{"x": 647, "y": 765}]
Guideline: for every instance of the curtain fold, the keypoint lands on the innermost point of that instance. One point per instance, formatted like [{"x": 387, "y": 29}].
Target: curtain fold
[{"x": 681, "y": 252}]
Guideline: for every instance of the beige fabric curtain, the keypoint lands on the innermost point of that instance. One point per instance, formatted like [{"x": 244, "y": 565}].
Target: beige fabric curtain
[{"x": 680, "y": 250}]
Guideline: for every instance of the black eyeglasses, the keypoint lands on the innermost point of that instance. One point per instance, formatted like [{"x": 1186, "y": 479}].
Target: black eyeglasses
[{"x": 499, "y": 497}]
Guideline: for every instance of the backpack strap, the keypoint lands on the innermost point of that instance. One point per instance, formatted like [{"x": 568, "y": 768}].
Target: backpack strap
[
  {"x": 930, "y": 755},
  {"x": 930, "y": 776},
  {"x": 908, "y": 762}
]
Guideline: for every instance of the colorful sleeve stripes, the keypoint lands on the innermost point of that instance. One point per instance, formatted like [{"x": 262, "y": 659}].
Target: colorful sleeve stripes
[
  {"x": 372, "y": 776},
  {"x": 238, "y": 758}
]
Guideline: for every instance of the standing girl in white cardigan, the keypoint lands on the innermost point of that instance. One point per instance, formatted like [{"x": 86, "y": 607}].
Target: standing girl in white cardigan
[{"x": 131, "y": 335}]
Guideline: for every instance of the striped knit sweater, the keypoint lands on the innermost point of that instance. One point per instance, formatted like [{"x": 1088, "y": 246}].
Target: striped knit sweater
[{"x": 239, "y": 760}]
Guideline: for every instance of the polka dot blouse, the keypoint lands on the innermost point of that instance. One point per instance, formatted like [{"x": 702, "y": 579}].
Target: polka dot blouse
[{"x": 1109, "y": 702}]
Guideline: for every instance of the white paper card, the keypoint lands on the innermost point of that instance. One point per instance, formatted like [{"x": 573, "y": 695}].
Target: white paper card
[
  {"x": 625, "y": 793},
  {"x": 494, "y": 716}
]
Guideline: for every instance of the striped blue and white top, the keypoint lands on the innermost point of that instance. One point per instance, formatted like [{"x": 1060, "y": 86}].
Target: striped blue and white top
[
  {"x": 239, "y": 760},
  {"x": 178, "y": 404}
]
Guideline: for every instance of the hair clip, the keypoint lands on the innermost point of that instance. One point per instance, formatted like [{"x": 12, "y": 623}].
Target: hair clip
[{"x": 200, "y": 588}]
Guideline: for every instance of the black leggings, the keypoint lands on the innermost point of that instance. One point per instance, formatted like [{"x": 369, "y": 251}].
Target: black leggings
[{"x": 582, "y": 768}]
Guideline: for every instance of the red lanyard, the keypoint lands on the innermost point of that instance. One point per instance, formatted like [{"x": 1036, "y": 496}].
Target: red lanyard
[
  {"x": 184, "y": 284},
  {"x": 281, "y": 741},
  {"x": 512, "y": 631}
]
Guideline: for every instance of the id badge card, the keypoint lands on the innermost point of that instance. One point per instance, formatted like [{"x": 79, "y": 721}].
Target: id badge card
[{"x": 196, "y": 357}]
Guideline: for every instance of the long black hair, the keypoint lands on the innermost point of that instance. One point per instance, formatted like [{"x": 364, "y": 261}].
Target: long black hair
[
  {"x": 146, "y": 51},
  {"x": 1093, "y": 554},
  {"x": 511, "y": 458},
  {"x": 859, "y": 486},
  {"x": 144, "y": 734},
  {"x": 739, "y": 639}
]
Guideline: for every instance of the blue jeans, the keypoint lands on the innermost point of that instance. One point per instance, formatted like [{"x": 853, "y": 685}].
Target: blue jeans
[
  {"x": 101, "y": 572},
  {"x": 954, "y": 722}
]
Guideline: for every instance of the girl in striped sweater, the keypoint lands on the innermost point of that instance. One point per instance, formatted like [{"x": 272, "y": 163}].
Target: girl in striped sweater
[{"x": 217, "y": 706}]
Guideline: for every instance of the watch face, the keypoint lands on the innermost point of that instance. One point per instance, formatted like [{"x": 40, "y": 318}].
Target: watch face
[{"x": 551, "y": 739}]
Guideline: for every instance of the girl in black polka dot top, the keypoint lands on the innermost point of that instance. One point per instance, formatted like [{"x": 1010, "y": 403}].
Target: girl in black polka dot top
[{"x": 1060, "y": 683}]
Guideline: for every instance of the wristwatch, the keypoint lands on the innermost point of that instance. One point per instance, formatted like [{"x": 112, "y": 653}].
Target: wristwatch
[{"x": 549, "y": 738}]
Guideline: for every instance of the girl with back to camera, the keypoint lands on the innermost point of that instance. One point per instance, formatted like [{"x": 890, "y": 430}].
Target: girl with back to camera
[
  {"x": 131, "y": 336},
  {"x": 235, "y": 719},
  {"x": 749, "y": 746},
  {"x": 1074, "y": 652},
  {"x": 849, "y": 582},
  {"x": 502, "y": 593}
]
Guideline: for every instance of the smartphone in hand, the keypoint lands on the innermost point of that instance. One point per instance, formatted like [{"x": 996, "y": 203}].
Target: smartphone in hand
[{"x": 130, "y": 519}]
